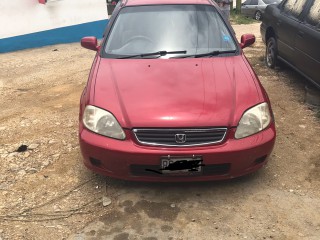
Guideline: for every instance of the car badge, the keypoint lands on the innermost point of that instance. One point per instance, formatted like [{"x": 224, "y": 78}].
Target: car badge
[{"x": 181, "y": 138}]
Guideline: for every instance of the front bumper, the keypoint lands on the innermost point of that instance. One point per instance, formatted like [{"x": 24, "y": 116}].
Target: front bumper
[{"x": 128, "y": 160}]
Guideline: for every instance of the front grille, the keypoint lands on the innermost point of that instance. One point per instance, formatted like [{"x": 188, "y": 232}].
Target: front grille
[
  {"x": 154, "y": 170},
  {"x": 180, "y": 137}
]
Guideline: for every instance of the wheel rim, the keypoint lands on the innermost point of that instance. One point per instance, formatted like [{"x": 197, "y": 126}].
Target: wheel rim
[
  {"x": 258, "y": 15},
  {"x": 270, "y": 54}
]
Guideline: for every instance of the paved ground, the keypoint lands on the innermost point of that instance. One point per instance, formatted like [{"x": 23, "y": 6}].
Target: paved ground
[{"x": 45, "y": 192}]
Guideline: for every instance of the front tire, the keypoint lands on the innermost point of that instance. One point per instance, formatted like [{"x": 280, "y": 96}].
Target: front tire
[
  {"x": 271, "y": 53},
  {"x": 258, "y": 15}
]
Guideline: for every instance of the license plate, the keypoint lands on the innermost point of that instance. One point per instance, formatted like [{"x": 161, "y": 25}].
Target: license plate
[{"x": 181, "y": 165}]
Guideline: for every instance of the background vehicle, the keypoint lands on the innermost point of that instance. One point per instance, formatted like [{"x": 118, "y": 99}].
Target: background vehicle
[
  {"x": 255, "y": 8},
  {"x": 291, "y": 32}
]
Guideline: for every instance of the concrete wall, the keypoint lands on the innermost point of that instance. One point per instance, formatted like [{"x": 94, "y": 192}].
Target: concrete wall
[{"x": 27, "y": 23}]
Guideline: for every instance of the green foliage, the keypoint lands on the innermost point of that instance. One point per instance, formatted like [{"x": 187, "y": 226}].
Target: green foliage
[{"x": 236, "y": 18}]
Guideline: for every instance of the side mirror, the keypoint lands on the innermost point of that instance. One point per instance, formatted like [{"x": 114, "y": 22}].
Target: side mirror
[
  {"x": 90, "y": 43},
  {"x": 247, "y": 40}
]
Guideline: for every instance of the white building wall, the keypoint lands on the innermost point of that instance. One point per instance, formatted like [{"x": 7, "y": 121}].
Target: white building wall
[{"x": 18, "y": 17}]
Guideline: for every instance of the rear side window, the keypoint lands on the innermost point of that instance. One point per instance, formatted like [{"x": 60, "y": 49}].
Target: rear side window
[
  {"x": 251, "y": 2},
  {"x": 294, "y": 7},
  {"x": 313, "y": 17},
  {"x": 271, "y": 1},
  {"x": 248, "y": 2}
]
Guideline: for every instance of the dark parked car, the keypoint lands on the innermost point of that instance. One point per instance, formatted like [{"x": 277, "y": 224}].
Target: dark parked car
[
  {"x": 255, "y": 8},
  {"x": 171, "y": 97},
  {"x": 291, "y": 32}
]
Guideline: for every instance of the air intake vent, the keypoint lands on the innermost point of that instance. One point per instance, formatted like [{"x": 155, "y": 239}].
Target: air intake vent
[{"x": 180, "y": 137}]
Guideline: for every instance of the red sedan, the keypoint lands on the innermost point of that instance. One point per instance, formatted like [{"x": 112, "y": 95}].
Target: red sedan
[{"x": 171, "y": 97}]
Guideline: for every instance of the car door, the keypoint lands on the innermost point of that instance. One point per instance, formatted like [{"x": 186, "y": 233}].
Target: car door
[
  {"x": 253, "y": 7},
  {"x": 287, "y": 26},
  {"x": 250, "y": 8},
  {"x": 245, "y": 8},
  {"x": 307, "y": 45}
]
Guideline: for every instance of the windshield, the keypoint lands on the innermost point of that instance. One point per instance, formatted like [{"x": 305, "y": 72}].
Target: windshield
[{"x": 194, "y": 29}]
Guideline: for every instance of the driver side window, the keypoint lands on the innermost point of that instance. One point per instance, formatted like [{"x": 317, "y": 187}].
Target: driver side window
[
  {"x": 294, "y": 7},
  {"x": 313, "y": 17}
]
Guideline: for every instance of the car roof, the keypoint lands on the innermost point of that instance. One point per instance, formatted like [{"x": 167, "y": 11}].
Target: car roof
[{"x": 159, "y": 2}]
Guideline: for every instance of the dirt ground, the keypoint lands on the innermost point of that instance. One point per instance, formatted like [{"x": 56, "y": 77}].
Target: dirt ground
[{"x": 46, "y": 192}]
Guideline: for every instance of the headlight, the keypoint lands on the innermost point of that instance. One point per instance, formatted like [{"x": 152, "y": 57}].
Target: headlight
[
  {"x": 253, "y": 120},
  {"x": 101, "y": 121}
]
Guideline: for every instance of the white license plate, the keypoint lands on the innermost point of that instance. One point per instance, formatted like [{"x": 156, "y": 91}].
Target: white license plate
[{"x": 181, "y": 165}]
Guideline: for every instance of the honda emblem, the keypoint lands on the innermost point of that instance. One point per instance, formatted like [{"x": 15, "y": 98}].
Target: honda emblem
[{"x": 181, "y": 138}]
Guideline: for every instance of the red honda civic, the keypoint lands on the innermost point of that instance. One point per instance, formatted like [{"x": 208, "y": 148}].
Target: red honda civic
[{"x": 171, "y": 96}]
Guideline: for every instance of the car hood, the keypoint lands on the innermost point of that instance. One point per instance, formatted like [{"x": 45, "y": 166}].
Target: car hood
[{"x": 207, "y": 92}]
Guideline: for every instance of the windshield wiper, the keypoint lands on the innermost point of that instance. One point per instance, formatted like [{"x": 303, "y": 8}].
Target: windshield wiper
[
  {"x": 160, "y": 53},
  {"x": 208, "y": 54}
]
